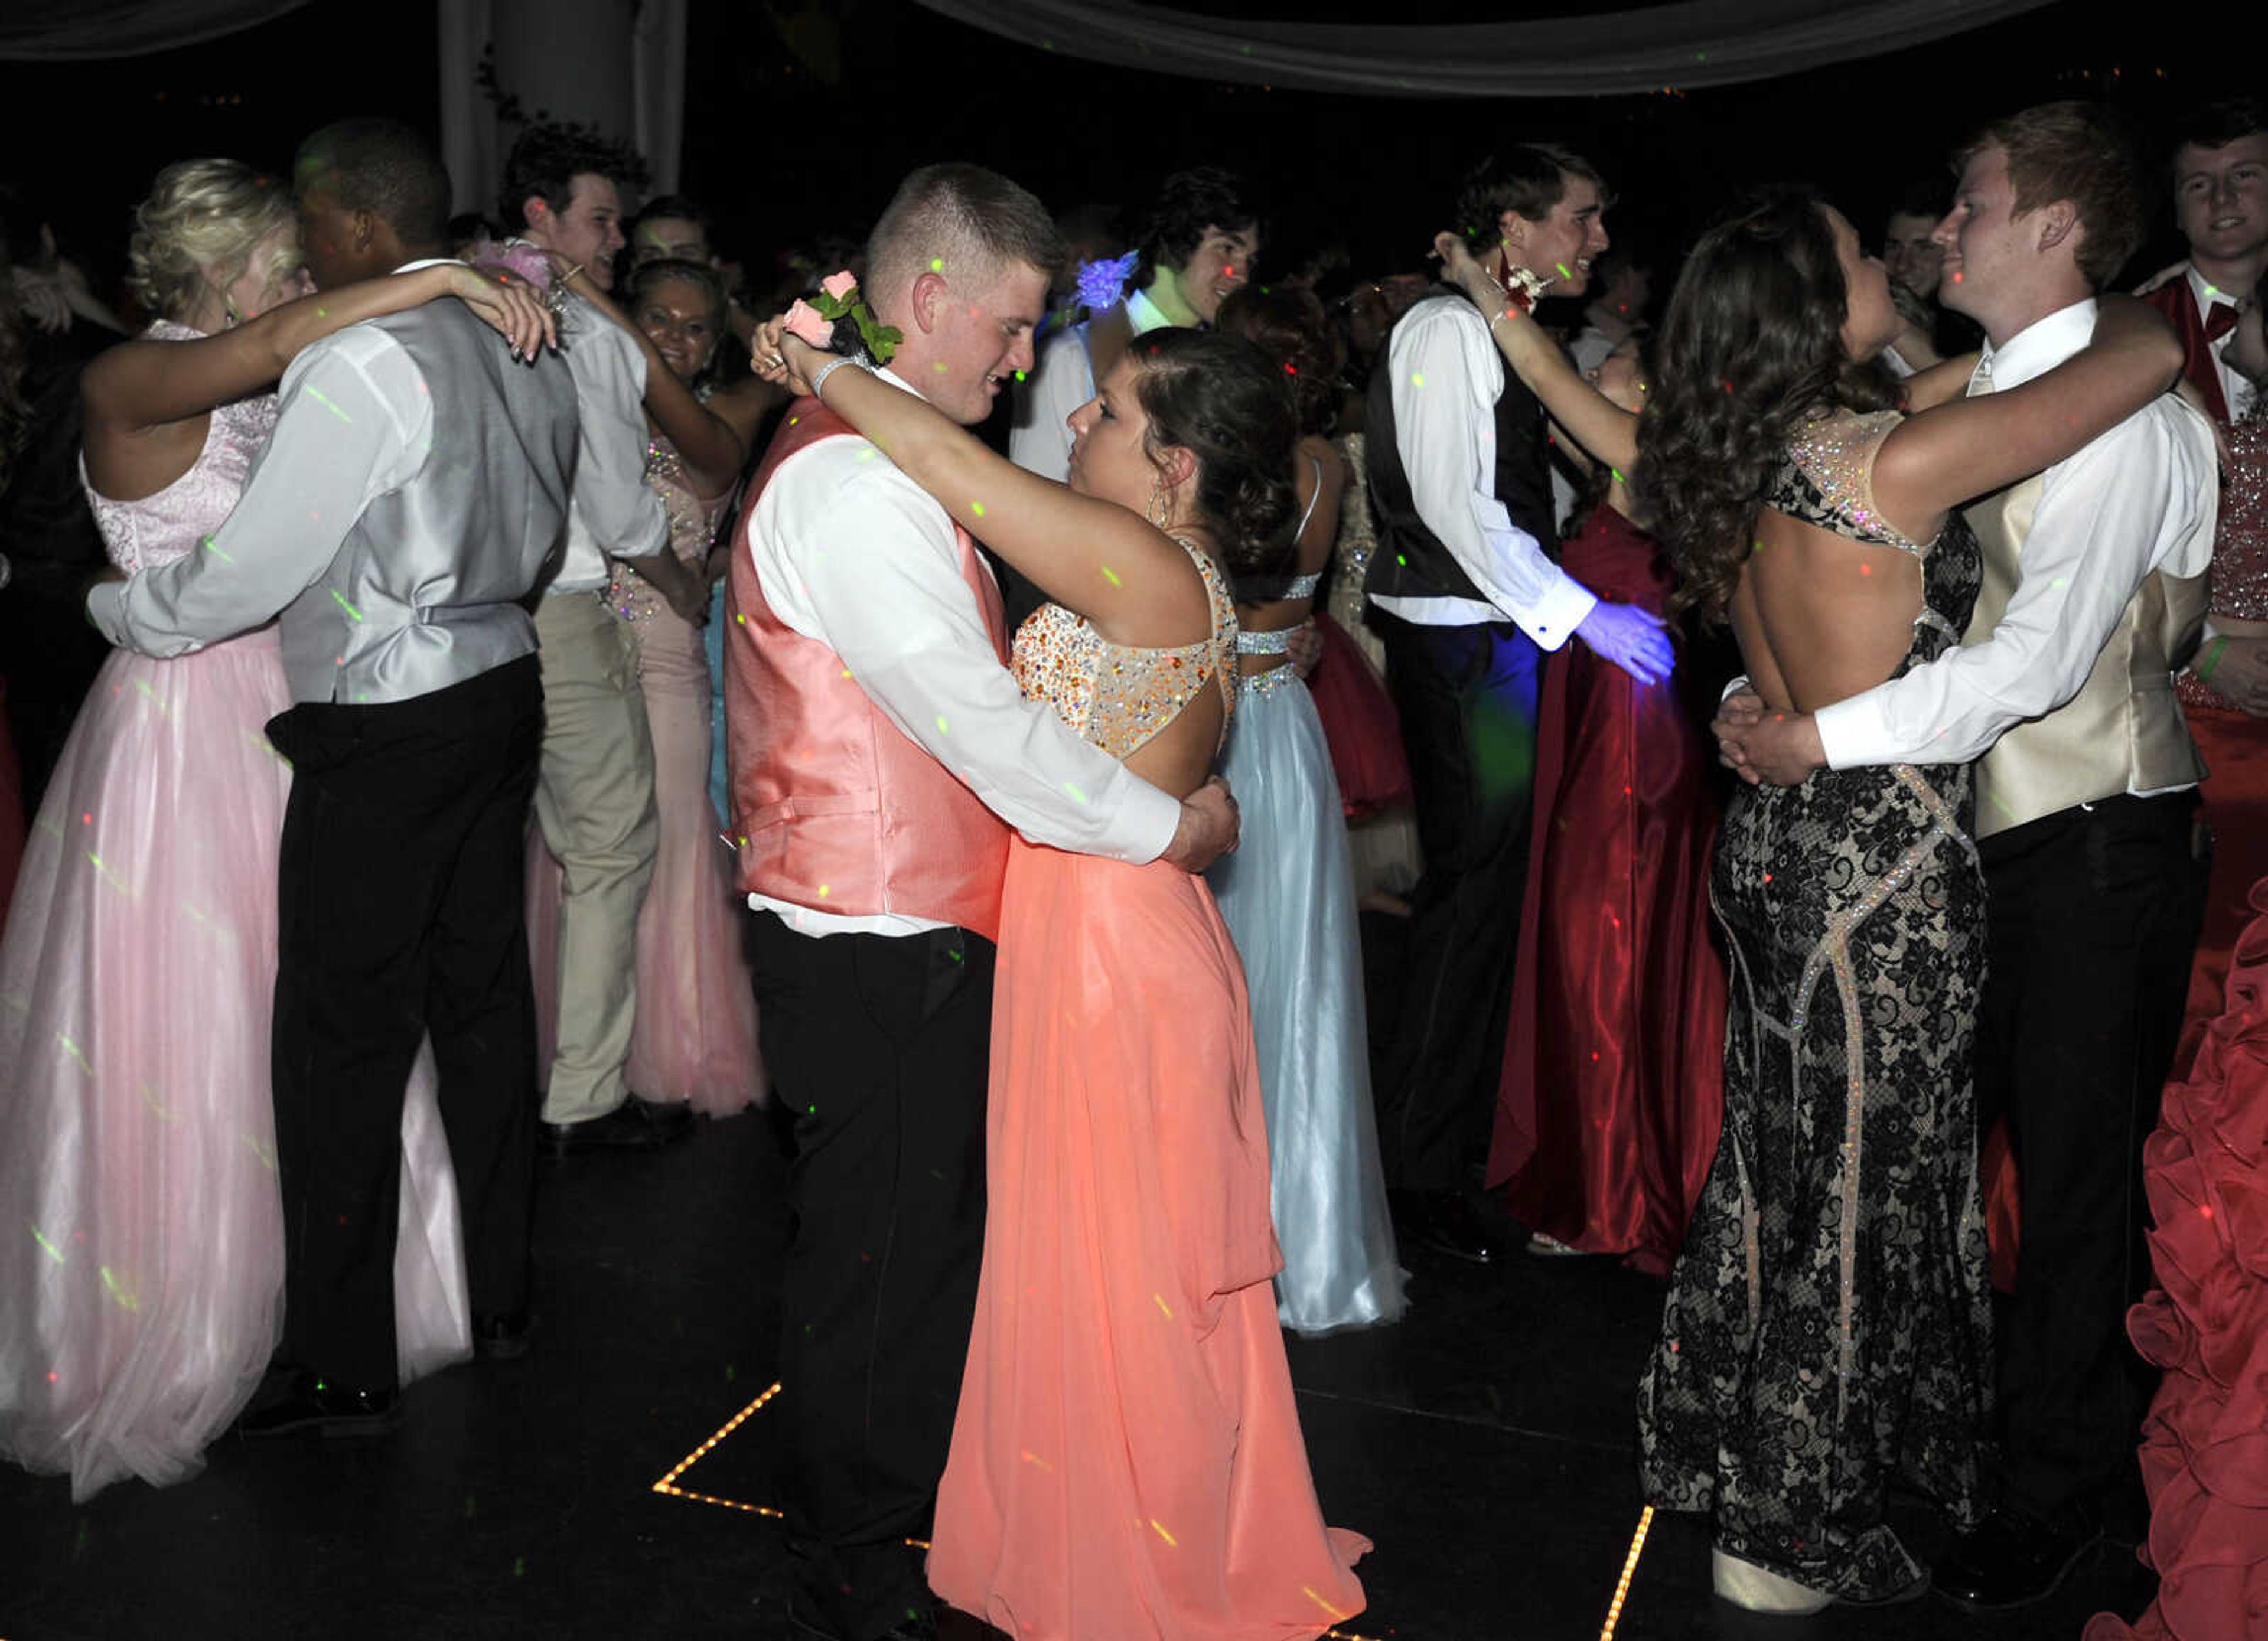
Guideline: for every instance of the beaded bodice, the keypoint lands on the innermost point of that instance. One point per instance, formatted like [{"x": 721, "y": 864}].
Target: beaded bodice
[
  {"x": 1117, "y": 697},
  {"x": 1825, "y": 478},
  {"x": 1358, "y": 539},
  {"x": 2240, "y": 546},
  {"x": 692, "y": 526},
  {"x": 157, "y": 529}
]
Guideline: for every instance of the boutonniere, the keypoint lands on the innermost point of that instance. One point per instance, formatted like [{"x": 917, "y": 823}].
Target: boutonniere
[
  {"x": 838, "y": 318},
  {"x": 1102, "y": 284}
]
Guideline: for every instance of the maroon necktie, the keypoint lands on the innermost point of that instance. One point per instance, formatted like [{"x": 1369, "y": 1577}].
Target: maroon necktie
[{"x": 2219, "y": 320}]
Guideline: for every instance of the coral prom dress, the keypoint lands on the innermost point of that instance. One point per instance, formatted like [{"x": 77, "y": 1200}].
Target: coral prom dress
[{"x": 1127, "y": 1460}]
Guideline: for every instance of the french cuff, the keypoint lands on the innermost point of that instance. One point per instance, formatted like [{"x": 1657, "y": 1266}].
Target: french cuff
[
  {"x": 1142, "y": 822},
  {"x": 106, "y": 607},
  {"x": 1552, "y": 619},
  {"x": 1855, "y": 734}
]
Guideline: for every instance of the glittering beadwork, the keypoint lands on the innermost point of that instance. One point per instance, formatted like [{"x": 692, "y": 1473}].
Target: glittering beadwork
[
  {"x": 1828, "y": 480},
  {"x": 1279, "y": 589},
  {"x": 2240, "y": 550},
  {"x": 691, "y": 522},
  {"x": 1277, "y": 643},
  {"x": 1267, "y": 683},
  {"x": 1358, "y": 540},
  {"x": 1119, "y": 697},
  {"x": 1829, "y": 1329}
]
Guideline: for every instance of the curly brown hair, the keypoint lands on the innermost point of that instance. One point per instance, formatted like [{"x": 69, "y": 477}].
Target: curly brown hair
[
  {"x": 1751, "y": 346},
  {"x": 1289, "y": 325}
]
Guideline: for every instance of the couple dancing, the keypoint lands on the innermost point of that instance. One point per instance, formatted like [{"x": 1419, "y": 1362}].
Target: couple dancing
[
  {"x": 986, "y": 970},
  {"x": 200, "y": 925},
  {"x": 1828, "y": 1327}
]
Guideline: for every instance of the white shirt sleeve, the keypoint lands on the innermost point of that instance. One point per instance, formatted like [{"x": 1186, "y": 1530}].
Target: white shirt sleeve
[
  {"x": 353, "y": 421},
  {"x": 1062, "y": 379},
  {"x": 610, "y": 497},
  {"x": 2143, "y": 494},
  {"x": 851, "y": 552},
  {"x": 1446, "y": 375}
]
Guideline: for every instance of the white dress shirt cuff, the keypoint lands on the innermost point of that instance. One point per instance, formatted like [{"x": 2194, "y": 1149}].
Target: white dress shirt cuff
[
  {"x": 1142, "y": 821},
  {"x": 106, "y": 607},
  {"x": 1565, "y": 605},
  {"x": 1856, "y": 734}
]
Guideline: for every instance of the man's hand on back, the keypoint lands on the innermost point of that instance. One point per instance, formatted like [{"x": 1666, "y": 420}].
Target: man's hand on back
[{"x": 1208, "y": 829}]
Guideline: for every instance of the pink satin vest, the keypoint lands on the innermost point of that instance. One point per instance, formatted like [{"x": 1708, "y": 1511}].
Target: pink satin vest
[{"x": 834, "y": 808}]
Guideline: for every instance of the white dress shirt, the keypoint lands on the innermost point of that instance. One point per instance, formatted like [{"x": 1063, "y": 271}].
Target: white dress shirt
[
  {"x": 853, "y": 554},
  {"x": 612, "y": 512},
  {"x": 1445, "y": 376},
  {"x": 2236, "y": 388},
  {"x": 2140, "y": 498},
  {"x": 1062, "y": 379}
]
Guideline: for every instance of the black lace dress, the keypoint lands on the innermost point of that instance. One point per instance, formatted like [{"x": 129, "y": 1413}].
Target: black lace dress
[{"x": 1828, "y": 1325}]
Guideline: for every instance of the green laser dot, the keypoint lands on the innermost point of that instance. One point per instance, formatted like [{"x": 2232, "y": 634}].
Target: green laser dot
[{"x": 1111, "y": 576}]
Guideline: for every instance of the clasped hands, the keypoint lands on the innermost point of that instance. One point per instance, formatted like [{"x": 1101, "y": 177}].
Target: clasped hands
[{"x": 1765, "y": 747}]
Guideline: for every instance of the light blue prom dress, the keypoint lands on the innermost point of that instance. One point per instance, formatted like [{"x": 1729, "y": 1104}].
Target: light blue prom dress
[{"x": 1287, "y": 895}]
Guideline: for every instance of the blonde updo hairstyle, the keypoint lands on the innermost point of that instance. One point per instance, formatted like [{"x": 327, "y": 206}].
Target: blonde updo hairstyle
[{"x": 203, "y": 222}]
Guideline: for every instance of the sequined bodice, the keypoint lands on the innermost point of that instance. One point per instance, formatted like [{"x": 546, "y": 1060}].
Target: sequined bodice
[
  {"x": 1117, "y": 697},
  {"x": 2240, "y": 552},
  {"x": 1826, "y": 479},
  {"x": 1358, "y": 539},
  {"x": 692, "y": 526},
  {"x": 143, "y": 533}
]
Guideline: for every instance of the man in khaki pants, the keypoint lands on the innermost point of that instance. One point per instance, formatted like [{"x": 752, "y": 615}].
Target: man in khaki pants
[{"x": 594, "y": 797}]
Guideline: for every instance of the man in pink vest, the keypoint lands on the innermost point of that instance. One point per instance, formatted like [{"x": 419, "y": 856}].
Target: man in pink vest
[{"x": 880, "y": 752}]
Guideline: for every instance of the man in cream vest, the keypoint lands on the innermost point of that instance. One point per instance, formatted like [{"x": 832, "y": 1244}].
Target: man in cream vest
[
  {"x": 2093, "y": 594},
  {"x": 879, "y": 753},
  {"x": 413, "y": 494}
]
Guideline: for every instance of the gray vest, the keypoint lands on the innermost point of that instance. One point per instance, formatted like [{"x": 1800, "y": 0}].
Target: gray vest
[{"x": 428, "y": 588}]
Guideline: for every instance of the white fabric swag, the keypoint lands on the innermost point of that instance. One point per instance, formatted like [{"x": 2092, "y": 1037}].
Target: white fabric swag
[{"x": 1712, "y": 42}]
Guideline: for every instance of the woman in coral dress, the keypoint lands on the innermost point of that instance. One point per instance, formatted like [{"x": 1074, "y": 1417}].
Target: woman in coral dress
[
  {"x": 694, "y": 1038},
  {"x": 141, "y": 1284},
  {"x": 1127, "y": 1459}
]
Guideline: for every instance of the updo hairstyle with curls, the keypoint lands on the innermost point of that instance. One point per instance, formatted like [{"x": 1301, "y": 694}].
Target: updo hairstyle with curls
[
  {"x": 1226, "y": 402},
  {"x": 677, "y": 270},
  {"x": 203, "y": 220},
  {"x": 1751, "y": 346},
  {"x": 1289, "y": 325}
]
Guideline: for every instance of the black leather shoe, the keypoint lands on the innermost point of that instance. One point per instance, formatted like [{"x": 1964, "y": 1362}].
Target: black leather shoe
[
  {"x": 1447, "y": 1222},
  {"x": 634, "y": 1125},
  {"x": 2011, "y": 1561},
  {"x": 499, "y": 1335},
  {"x": 295, "y": 1403}
]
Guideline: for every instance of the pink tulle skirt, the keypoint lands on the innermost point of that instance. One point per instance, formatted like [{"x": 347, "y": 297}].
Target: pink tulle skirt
[{"x": 142, "y": 1274}]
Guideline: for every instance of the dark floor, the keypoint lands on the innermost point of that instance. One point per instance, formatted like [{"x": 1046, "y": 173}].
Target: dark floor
[{"x": 1485, "y": 1442}]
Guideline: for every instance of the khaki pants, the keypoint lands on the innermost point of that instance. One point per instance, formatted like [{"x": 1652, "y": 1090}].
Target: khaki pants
[{"x": 594, "y": 801}]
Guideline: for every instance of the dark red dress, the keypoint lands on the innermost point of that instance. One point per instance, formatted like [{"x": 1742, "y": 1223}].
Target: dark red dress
[
  {"x": 1607, "y": 1112},
  {"x": 2205, "y": 1445}
]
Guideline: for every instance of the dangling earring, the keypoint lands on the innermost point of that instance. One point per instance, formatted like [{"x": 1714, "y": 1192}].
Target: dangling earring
[{"x": 1158, "y": 511}]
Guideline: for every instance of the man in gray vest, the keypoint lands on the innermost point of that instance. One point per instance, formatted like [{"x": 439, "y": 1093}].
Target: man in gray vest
[
  {"x": 2094, "y": 593},
  {"x": 412, "y": 496}
]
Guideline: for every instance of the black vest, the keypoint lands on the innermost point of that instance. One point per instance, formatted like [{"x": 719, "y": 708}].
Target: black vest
[{"x": 1410, "y": 563}]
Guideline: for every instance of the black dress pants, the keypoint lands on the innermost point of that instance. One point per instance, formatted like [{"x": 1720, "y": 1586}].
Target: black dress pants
[
  {"x": 879, "y": 1045},
  {"x": 2092, "y": 919},
  {"x": 402, "y": 911},
  {"x": 1466, "y": 696}
]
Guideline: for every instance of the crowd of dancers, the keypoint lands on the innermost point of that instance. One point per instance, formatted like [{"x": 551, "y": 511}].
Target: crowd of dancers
[{"x": 555, "y": 690}]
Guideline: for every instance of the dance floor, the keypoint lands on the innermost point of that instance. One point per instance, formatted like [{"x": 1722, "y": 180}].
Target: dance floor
[{"x": 608, "y": 1484}]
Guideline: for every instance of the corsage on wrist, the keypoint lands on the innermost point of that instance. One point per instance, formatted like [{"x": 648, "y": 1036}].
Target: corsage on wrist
[
  {"x": 838, "y": 320},
  {"x": 531, "y": 265},
  {"x": 1523, "y": 287}
]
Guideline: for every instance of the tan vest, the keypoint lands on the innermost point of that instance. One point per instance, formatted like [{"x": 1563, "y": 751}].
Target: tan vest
[{"x": 2123, "y": 730}]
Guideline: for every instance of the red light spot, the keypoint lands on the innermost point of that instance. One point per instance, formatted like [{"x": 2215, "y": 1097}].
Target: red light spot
[{"x": 86, "y": 817}]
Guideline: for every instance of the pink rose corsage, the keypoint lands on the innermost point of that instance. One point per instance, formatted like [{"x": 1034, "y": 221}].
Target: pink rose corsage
[{"x": 836, "y": 318}]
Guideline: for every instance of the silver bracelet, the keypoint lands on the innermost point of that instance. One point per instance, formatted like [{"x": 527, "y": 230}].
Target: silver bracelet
[{"x": 828, "y": 369}]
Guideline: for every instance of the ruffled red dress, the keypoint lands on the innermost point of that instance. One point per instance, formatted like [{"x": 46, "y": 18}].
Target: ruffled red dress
[{"x": 2205, "y": 1444}]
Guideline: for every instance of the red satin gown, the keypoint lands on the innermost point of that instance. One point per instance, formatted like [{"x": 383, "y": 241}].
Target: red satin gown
[
  {"x": 2205, "y": 1444},
  {"x": 1607, "y": 1110}
]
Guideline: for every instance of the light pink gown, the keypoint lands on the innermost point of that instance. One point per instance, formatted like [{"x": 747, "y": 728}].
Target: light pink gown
[
  {"x": 141, "y": 1230},
  {"x": 695, "y": 1036}
]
